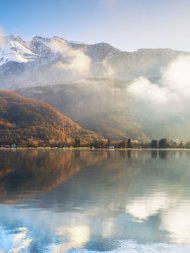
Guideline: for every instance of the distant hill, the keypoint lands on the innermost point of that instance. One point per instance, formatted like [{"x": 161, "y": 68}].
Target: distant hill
[
  {"x": 94, "y": 106},
  {"x": 105, "y": 107},
  {"x": 25, "y": 121}
]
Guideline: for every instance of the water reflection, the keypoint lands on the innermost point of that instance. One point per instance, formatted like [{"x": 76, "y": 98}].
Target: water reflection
[
  {"x": 95, "y": 200},
  {"x": 25, "y": 173}
]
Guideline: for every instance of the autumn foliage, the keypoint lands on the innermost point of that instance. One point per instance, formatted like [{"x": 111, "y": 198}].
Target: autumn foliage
[{"x": 28, "y": 122}]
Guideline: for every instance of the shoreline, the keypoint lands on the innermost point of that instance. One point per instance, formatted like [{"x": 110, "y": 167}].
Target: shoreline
[{"x": 95, "y": 149}]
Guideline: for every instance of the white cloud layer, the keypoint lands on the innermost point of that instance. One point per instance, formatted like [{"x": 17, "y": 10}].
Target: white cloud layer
[
  {"x": 74, "y": 60},
  {"x": 174, "y": 84},
  {"x": 165, "y": 100}
]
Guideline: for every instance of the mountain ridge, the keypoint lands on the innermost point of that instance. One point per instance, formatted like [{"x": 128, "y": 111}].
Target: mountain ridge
[{"x": 54, "y": 60}]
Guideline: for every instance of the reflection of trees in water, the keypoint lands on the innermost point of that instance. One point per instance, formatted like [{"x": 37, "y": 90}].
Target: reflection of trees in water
[
  {"x": 116, "y": 178},
  {"x": 26, "y": 172},
  {"x": 32, "y": 171},
  {"x": 162, "y": 154},
  {"x": 105, "y": 183},
  {"x": 154, "y": 153}
]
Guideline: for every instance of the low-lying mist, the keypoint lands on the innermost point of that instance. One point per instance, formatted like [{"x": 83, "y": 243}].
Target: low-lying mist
[
  {"x": 138, "y": 108},
  {"x": 164, "y": 104}
]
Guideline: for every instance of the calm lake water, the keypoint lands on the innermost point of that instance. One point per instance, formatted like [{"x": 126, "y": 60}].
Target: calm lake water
[{"x": 94, "y": 201}]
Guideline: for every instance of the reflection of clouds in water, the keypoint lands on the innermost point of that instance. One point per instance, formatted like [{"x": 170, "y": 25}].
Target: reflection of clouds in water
[
  {"x": 133, "y": 247},
  {"x": 22, "y": 229},
  {"x": 75, "y": 230},
  {"x": 46, "y": 230},
  {"x": 145, "y": 207},
  {"x": 14, "y": 243},
  {"x": 77, "y": 237},
  {"x": 174, "y": 214},
  {"x": 177, "y": 222},
  {"x": 113, "y": 197},
  {"x": 108, "y": 228}
]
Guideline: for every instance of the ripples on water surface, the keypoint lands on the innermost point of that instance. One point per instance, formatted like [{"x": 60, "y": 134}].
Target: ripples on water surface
[{"x": 89, "y": 201}]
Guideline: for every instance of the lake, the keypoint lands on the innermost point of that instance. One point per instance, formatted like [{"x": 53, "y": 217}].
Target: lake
[{"x": 94, "y": 201}]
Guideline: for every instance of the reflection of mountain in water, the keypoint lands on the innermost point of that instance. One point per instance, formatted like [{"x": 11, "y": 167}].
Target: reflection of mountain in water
[
  {"x": 127, "y": 175},
  {"x": 139, "y": 195},
  {"x": 129, "y": 194},
  {"x": 28, "y": 172}
]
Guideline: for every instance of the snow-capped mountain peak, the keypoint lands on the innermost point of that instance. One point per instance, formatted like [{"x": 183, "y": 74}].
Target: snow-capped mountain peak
[
  {"x": 55, "y": 60},
  {"x": 15, "y": 50}
]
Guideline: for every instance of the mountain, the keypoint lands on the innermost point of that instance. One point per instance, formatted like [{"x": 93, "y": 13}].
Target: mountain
[
  {"x": 105, "y": 106},
  {"x": 47, "y": 61},
  {"x": 15, "y": 50},
  {"x": 142, "y": 94},
  {"x": 93, "y": 105},
  {"x": 25, "y": 121}
]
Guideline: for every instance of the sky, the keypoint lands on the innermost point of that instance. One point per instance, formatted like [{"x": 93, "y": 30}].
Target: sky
[{"x": 125, "y": 24}]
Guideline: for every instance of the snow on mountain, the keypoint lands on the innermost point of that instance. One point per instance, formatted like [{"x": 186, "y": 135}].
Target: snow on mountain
[
  {"x": 40, "y": 46},
  {"x": 16, "y": 50},
  {"x": 49, "y": 61}
]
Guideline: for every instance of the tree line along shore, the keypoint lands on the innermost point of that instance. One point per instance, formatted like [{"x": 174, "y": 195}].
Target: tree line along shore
[{"x": 102, "y": 144}]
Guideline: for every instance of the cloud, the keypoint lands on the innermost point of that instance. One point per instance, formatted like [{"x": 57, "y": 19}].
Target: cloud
[
  {"x": 174, "y": 84},
  {"x": 176, "y": 76},
  {"x": 146, "y": 92},
  {"x": 166, "y": 101},
  {"x": 74, "y": 60},
  {"x": 109, "y": 72}
]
